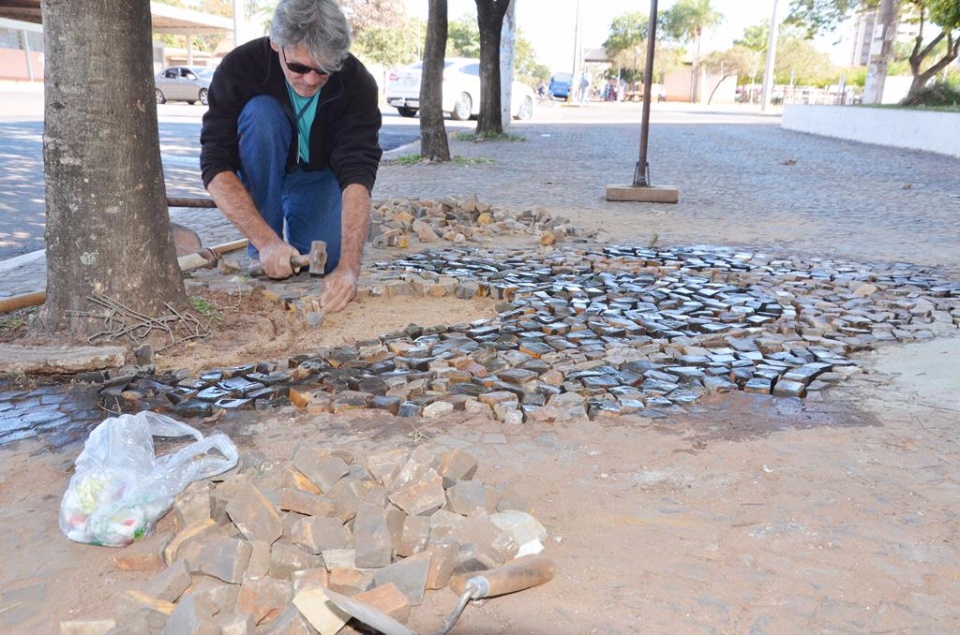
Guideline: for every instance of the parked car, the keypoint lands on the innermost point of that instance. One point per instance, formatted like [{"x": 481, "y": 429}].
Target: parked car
[
  {"x": 561, "y": 85},
  {"x": 461, "y": 90},
  {"x": 184, "y": 83}
]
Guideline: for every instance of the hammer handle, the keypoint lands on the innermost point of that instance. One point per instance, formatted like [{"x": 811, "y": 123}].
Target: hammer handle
[
  {"x": 522, "y": 573},
  {"x": 296, "y": 262}
]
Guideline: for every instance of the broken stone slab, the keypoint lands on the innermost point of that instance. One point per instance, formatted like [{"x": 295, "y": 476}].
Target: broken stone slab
[
  {"x": 409, "y": 575},
  {"x": 323, "y": 615},
  {"x": 141, "y": 613},
  {"x": 263, "y": 597},
  {"x": 421, "y": 498},
  {"x": 222, "y": 557},
  {"x": 373, "y": 541},
  {"x": 389, "y": 600},
  {"x": 193, "y": 615},
  {"x": 170, "y": 583},
  {"x": 87, "y": 627},
  {"x": 253, "y": 514}
]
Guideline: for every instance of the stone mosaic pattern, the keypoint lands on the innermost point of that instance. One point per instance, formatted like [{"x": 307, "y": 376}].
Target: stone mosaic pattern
[{"x": 587, "y": 332}]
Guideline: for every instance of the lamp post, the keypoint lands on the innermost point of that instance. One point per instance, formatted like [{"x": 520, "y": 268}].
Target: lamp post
[
  {"x": 771, "y": 58},
  {"x": 641, "y": 175},
  {"x": 641, "y": 190}
]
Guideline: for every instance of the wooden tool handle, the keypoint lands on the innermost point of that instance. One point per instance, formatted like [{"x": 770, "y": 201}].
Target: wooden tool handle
[
  {"x": 522, "y": 573},
  {"x": 296, "y": 262}
]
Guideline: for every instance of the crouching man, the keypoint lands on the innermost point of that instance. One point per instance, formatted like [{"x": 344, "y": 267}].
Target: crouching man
[{"x": 289, "y": 144}]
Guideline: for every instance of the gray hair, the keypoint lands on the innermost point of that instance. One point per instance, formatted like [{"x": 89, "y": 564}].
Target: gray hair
[{"x": 318, "y": 25}]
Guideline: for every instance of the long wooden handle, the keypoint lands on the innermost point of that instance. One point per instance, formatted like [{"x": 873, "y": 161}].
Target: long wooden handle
[{"x": 522, "y": 573}]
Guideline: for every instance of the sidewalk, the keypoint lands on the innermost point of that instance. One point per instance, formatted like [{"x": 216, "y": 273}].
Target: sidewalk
[
  {"x": 743, "y": 181},
  {"x": 734, "y": 513}
]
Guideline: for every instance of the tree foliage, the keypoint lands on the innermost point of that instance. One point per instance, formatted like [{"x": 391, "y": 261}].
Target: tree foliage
[
  {"x": 926, "y": 59},
  {"x": 685, "y": 21},
  {"x": 738, "y": 60},
  {"x": 463, "y": 37}
]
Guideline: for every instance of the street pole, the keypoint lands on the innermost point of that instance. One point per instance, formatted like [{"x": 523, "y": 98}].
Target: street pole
[
  {"x": 641, "y": 174},
  {"x": 237, "y": 19},
  {"x": 885, "y": 31},
  {"x": 771, "y": 59},
  {"x": 641, "y": 190},
  {"x": 576, "y": 44}
]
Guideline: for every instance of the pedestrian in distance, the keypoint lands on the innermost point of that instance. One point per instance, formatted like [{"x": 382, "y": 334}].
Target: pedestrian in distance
[
  {"x": 289, "y": 144},
  {"x": 584, "y": 89}
]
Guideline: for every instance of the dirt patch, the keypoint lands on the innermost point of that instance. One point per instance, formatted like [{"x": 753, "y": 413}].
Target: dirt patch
[
  {"x": 746, "y": 513},
  {"x": 253, "y": 327}
]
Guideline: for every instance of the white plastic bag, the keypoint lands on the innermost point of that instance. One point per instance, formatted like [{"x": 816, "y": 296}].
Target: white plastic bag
[{"x": 121, "y": 488}]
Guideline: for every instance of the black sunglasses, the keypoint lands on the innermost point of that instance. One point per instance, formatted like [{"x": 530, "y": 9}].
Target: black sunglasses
[{"x": 301, "y": 69}]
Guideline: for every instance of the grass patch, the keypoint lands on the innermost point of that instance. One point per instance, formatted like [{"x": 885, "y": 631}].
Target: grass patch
[
  {"x": 406, "y": 159},
  {"x": 487, "y": 136},
  {"x": 413, "y": 159},
  {"x": 206, "y": 308},
  {"x": 17, "y": 320}
]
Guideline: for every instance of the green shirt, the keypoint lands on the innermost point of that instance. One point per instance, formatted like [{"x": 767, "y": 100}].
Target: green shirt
[{"x": 305, "y": 110}]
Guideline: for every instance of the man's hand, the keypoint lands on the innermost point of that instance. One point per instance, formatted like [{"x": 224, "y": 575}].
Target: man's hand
[
  {"x": 275, "y": 259},
  {"x": 340, "y": 287}
]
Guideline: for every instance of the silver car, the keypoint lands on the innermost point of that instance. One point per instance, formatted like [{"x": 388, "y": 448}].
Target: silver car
[
  {"x": 460, "y": 94},
  {"x": 184, "y": 83}
]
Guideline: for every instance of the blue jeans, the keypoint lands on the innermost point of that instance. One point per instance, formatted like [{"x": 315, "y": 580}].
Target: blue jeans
[{"x": 309, "y": 203}]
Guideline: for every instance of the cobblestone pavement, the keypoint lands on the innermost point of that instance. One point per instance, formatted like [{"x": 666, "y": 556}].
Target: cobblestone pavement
[
  {"x": 844, "y": 531},
  {"x": 742, "y": 180}
]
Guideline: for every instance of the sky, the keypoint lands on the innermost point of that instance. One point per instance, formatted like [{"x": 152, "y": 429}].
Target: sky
[{"x": 549, "y": 25}]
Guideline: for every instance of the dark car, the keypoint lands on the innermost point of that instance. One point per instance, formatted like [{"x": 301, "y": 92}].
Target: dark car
[
  {"x": 561, "y": 85},
  {"x": 183, "y": 83}
]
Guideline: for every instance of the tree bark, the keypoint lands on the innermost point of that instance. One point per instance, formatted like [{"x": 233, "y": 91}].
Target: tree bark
[
  {"x": 433, "y": 133},
  {"x": 108, "y": 227},
  {"x": 490, "y": 22}
]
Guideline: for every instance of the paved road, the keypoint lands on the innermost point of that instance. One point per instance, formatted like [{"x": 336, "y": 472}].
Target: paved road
[
  {"x": 22, "y": 216},
  {"x": 743, "y": 181}
]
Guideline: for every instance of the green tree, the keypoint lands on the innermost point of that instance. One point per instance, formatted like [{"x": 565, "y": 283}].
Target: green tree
[
  {"x": 627, "y": 42},
  {"x": 755, "y": 37},
  {"x": 528, "y": 69},
  {"x": 799, "y": 63},
  {"x": 926, "y": 59},
  {"x": 398, "y": 44},
  {"x": 737, "y": 61},
  {"x": 685, "y": 21},
  {"x": 463, "y": 37}
]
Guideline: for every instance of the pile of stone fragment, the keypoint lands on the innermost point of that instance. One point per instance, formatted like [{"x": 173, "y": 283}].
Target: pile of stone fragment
[
  {"x": 254, "y": 552},
  {"x": 589, "y": 332},
  {"x": 395, "y": 221}
]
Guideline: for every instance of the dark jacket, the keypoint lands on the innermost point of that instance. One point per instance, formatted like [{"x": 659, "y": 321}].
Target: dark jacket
[{"x": 345, "y": 132}]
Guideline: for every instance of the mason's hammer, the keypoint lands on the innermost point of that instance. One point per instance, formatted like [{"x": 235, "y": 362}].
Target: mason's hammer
[{"x": 315, "y": 261}]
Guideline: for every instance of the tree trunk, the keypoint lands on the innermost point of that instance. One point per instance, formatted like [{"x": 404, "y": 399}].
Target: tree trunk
[
  {"x": 490, "y": 22},
  {"x": 433, "y": 134},
  {"x": 108, "y": 227},
  {"x": 920, "y": 53}
]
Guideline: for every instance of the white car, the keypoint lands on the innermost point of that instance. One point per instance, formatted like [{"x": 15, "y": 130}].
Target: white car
[{"x": 461, "y": 90}]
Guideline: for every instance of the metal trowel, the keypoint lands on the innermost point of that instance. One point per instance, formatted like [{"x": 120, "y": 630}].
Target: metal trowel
[{"x": 522, "y": 573}]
